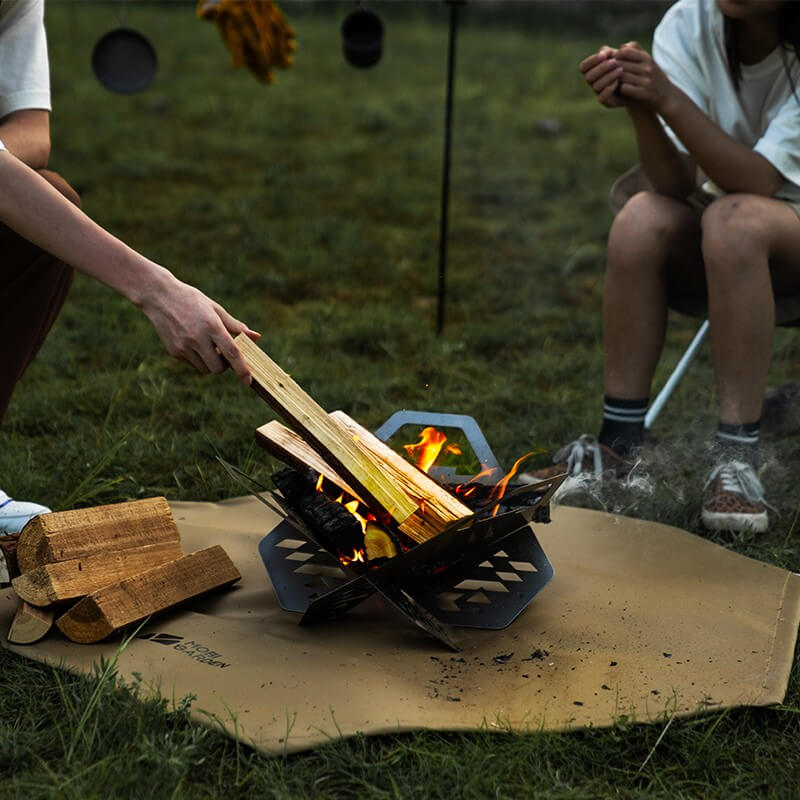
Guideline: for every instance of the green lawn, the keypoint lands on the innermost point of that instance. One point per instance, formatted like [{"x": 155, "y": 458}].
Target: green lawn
[{"x": 310, "y": 208}]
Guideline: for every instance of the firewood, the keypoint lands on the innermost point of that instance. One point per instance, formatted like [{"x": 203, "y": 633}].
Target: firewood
[
  {"x": 66, "y": 580},
  {"x": 9, "y": 568},
  {"x": 335, "y": 447},
  {"x": 66, "y": 535},
  {"x": 437, "y": 507},
  {"x": 107, "y": 610},
  {"x": 290, "y": 448},
  {"x": 378, "y": 544},
  {"x": 29, "y": 624}
]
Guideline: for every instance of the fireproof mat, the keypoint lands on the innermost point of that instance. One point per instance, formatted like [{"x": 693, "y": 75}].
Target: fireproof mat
[{"x": 641, "y": 620}]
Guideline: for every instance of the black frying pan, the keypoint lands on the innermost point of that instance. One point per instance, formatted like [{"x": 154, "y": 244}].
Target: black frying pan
[{"x": 124, "y": 61}]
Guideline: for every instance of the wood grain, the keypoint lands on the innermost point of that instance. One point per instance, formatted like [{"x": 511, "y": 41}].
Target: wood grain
[
  {"x": 29, "y": 624},
  {"x": 66, "y": 580},
  {"x": 105, "y": 611},
  {"x": 328, "y": 439},
  {"x": 67, "y": 535}
]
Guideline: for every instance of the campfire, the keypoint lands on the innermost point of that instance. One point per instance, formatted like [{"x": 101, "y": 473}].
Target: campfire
[{"x": 361, "y": 518}]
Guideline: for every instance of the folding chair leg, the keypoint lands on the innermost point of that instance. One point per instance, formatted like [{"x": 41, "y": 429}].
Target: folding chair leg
[{"x": 674, "y": 379}]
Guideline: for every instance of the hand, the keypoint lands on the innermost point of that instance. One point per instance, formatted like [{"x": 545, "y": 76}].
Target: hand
[
  {"x": 642, "y": 80},
  {"x": 603, "y": 72},
  {"x": 196, "y": 329}
]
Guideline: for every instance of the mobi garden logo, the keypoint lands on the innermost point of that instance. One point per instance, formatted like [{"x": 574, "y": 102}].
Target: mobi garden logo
[{"x": 194, "y": 650}]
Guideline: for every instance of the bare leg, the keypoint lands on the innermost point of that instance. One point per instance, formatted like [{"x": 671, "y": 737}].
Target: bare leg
[
  {"x": 652, "y": 238},
  {"x": 743, "y": 236}
]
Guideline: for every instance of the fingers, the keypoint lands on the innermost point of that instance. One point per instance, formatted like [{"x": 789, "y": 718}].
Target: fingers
[
  {"x": 600, "y": 83},
  {"x": 603, "y": 54},
  {"x": 632, "y": 54},
  {"x": 191, "y": 357},
  {"x": 230, "y": 352},
  {"x": 233, "y": 325},
  {"x": 607, "y": 94}
]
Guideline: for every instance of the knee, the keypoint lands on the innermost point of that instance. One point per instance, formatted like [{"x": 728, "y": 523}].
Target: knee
[
  {"x": 734, "y": 232},
  {"x": 648, "y": 217},
  {"x": 57, "y": 182}
]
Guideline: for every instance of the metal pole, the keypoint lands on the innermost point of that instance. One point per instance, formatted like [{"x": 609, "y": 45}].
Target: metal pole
[
  {"x": 677, "y": 374},
  {"x": 448, "y": 115}
]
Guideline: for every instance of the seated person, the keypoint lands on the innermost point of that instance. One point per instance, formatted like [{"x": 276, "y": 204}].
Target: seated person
[{"x": 720, "y": 93}]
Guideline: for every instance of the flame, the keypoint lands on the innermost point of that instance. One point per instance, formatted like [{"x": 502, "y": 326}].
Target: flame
[
  {"x": 500, "y": 488},
  {"x": 358, "y": 555},
  {"x": 425, "y": 452}
]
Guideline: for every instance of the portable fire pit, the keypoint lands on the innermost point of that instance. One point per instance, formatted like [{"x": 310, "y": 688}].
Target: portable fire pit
[{"x": 460, "y": 553}]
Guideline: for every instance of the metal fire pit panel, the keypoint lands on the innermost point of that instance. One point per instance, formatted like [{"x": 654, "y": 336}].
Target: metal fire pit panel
[
  {"x": 494, "y": 590},
  {"x": 299, "y": 569}
]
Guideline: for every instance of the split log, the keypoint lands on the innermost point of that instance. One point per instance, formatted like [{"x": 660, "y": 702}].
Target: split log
[
  {"x": 67, "y": 580},
  {"x": 9, "y": 568},
  {"x": 365, "y": 469},
  {"x": 107, "y": 610},
  {"x": 338, "y": 449},
  {"x": 292, "y": 449},
  {"x": 29, "y": 624},
  {"x": 66, "y": 535},
  {"x": 438, "y": 508}
]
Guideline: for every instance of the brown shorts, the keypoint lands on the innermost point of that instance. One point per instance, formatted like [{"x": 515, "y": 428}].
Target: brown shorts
[{"x": 703, "y": 196}]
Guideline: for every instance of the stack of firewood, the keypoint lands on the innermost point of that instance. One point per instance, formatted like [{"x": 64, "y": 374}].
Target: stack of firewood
[{"x": 94, "y": 571}]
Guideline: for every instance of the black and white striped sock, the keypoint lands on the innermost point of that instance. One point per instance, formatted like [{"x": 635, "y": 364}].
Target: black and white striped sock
[
  {"x": 737, "y": 443},
  {"x": 623, "y": 424}
]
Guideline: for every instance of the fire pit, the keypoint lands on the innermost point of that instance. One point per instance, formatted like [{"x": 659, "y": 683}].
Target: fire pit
[{"x": 360, "y": 519}]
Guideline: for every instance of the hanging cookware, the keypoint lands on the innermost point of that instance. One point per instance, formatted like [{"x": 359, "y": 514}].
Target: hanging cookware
[{"x": 362, "y": 38}]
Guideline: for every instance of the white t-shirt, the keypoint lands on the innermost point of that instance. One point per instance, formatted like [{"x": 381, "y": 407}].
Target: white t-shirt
[
  {"x": 24, "y": 69},
  {"x": 689, "y": 45}
]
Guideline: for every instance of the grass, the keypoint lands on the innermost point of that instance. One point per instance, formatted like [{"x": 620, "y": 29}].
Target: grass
[{"x": 310, "y": 209}]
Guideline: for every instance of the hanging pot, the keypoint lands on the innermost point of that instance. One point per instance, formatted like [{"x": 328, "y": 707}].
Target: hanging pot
[
  {"x": 362, "y": 38},
  {"x": 124, "y": 61}
]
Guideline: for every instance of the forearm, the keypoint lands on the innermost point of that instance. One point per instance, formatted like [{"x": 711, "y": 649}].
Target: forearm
[
  {"x": 40, "y": 214},
  {"x": 670, "y": 172},
  {"x": 734, "y": 167}
]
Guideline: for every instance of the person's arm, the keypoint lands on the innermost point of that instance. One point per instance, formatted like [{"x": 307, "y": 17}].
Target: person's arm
[
  {"x": 669, "y": 171},
  {"x": 192, "y": 326},
  {"x": 26, "y": 134},
  {"x": 734, "y": 167}
]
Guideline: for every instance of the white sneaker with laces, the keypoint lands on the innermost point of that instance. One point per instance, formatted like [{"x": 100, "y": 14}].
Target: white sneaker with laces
[{"x": 15, "y": 514}]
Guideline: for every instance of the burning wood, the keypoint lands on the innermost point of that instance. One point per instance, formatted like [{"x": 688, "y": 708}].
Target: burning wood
[{"x": 393, "y": 493}]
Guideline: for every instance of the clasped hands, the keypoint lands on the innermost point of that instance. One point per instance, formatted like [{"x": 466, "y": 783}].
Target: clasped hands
[{"x": 627, "y": 76}]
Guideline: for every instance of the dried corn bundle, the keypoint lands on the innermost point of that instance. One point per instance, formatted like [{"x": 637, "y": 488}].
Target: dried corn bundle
[{"x": 255, "y": 31}]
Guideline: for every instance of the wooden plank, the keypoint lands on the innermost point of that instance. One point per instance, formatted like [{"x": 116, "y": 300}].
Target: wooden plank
[
  {"x": 107, "y": 610},
  {"x": 66, "y": 535},
  {"x": 286, "y": 445},
  {"x": 437, "y": 507},
  {"x": 29, "y": 624},
  {"x": 310, "y": 420},
  {"x": 66, "y": 580}
]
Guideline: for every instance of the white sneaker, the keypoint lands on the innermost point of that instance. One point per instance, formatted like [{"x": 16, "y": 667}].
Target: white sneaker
[{"x": 14, "y": 514}]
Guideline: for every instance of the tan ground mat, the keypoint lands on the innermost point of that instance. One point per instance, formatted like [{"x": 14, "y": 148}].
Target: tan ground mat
[{"x": 641, "y": 619}]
